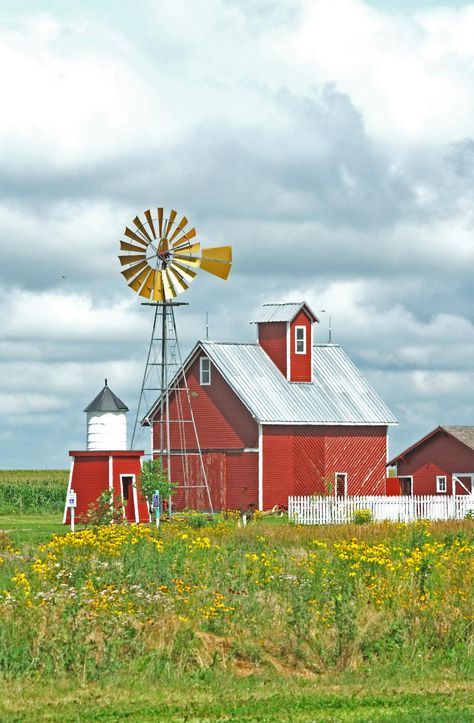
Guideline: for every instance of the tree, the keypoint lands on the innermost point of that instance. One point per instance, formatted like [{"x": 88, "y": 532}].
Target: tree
[{"x": 154, "y": 477}]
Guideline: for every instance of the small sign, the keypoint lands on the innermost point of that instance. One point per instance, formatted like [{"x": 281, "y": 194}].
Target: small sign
[
  {"x": 155, "y": 501},
  {"x": 72, "y": 499}
]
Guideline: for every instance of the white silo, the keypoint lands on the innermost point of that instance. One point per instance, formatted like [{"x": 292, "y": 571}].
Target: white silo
[{"x": 106, "y": 422}]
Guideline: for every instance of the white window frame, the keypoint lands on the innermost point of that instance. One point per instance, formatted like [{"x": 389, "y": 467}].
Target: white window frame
[
  {"x": 410, "y": 477},
  {"x": 336, "y": 475},
  {"x": 203, "y": 371},
  {"x": 297, "y": 328},
  {"x": 439, "y": 478},
  {"x": 133, "y": 490}
]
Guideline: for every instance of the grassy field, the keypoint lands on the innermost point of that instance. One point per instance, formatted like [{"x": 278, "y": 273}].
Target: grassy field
[
  {"x": 32, "y": 491},
  {"x": 271, "y": 622}
]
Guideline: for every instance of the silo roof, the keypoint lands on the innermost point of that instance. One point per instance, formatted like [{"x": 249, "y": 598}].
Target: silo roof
[{"x": 106, "y": 401}]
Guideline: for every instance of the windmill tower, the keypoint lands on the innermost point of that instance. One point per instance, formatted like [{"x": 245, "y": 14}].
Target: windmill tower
[{"x": 162, "y": 258}]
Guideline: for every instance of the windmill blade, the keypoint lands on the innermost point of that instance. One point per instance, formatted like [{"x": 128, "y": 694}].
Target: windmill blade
[
  {"x": 133, "y": 270},
  {"x": 137, "y": 283},
  {"x": 218, "y": 253},
  {"x": 192, "y": 250},
  {"x": 158, "y": 293},
  {"x": 217, "y": 268},
  {"x": 131, "y": 258},
  {"x": 150, "y": 223},
  {"x": 179, "y": 228},
  {"x": 185, "y": 239},
  {"x": 170, "y": 222},
  {"x": 168, "y": 290},
  {"x": 187, "y": 274},
  {"x": 147, "y": 287},
  {"x": 194, "y": 263},
  {"x": 124, "y": 246},
  {"x": 160, "y": 222},
  {"x": 131, "y": 234},
  {"x": 177, "y": 280},
  {"x": 142, "y": 228}
]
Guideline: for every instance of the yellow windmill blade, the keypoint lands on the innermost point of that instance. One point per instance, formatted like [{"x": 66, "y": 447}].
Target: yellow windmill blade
[
  {"x": 138, "y": 223},
  {"x": 160, "y": 258}
]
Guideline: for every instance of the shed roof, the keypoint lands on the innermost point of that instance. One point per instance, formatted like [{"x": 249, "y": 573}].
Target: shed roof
[
  {"x": 462, "y": 434},
  {"x": 338, "y": 395},
  {"x": 281, "y": 312},
  {"x": 106, "y": 401}
]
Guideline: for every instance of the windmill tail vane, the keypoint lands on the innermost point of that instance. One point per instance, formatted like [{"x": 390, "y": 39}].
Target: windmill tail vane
[{"x": 164, "y": 256}]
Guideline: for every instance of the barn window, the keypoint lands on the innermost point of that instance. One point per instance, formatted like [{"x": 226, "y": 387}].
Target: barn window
[
  {"x": 441, "y": 483},
  {"x": 204, "y": 371},
  {"x": 300, "y": 339},
  {"x": 340, "y": 484}
]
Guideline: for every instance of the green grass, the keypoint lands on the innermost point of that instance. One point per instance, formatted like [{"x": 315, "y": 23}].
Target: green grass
[
  {"x": 214, "y": 695},
  {"x": 31, "y": 529},
  {"x": 32, "y": 491}
]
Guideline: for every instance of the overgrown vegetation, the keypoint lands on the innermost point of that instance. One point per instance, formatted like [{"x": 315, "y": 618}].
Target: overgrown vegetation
[
  {"x": 37, "y": 491},
  {"x": 268, "y": 597}
]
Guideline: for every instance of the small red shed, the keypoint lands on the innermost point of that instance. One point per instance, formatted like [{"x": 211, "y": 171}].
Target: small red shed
[
  {"x": 441, "y": 463},
  {"x": 107, "y": 464},
  {"x": 280, "y": 417}
]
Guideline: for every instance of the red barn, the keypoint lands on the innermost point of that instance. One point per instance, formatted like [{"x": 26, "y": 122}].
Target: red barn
[
  {"x": 442, "y": 463},
  {"x": 276, "y": 418}
]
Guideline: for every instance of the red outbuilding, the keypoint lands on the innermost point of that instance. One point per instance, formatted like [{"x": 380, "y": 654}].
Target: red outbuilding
[
  {"x": 107, "y": 464},
  {"x": 441, "y": 463},
  {"x": 280, "y": 417}
]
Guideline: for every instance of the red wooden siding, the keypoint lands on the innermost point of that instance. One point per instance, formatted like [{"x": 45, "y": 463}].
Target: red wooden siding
[
  {"x": 242, "y": 480},
  {"x": 222, "y": 421},
  {"x": 272, "y": 339},
  {"x": 91, "y": 477},
  {"x": 303, "y": 460},
  {"x": 196, "y": 498},
  {"x": 301, "y": 364},
  {"x": 439, "y": 455}
]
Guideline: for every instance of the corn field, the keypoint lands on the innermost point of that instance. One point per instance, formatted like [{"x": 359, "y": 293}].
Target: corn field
[{"x": 23, "y": 491}]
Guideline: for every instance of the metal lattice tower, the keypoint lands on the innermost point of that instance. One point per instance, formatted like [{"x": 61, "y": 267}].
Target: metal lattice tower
[{"x": 164, "y": 385}]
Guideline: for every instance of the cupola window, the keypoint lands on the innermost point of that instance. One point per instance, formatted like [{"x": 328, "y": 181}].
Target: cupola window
[{"x": 300, "y": 339}]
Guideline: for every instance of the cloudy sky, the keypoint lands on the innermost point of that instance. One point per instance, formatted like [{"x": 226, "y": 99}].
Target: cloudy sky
[{"x": 331, "y": 143}]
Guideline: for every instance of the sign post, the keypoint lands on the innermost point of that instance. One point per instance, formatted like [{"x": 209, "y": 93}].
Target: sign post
[
  {"x": 71, "y": 503},
  {"x": 156, "y": 506}
]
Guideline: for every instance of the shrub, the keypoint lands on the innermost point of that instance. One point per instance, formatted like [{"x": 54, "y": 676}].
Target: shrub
[{"x": 362, "y": 517}]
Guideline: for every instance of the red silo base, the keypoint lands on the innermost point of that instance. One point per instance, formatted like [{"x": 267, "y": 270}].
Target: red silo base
[{"x": 119, "y": 471}]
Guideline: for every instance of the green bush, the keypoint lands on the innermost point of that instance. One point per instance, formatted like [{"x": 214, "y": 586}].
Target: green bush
[{"x": 362, "y": 517}]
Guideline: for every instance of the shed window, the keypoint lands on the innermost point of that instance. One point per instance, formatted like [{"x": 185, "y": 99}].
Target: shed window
[
  {"x": 441, "y": 483},
  {"x": 204, "y": 371},
  {"x": 300, "y": 339}
]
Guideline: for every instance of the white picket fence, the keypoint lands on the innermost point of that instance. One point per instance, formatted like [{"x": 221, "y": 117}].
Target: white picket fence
[{"x": 340, "y": 510}]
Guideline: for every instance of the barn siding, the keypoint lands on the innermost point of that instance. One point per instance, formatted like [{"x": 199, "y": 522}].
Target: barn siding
[
  {"x": 193, "y": 498},
  {"x": 272, "y": 339},
  {"x": 298, "y": 460},
  {"x": 424, "y": 480},
  {"x": 301, "y": 364},
  {"x": 242, "y": 480},
  {"x": 222, "y": 421},
  {"x": 442, "y": 450}
]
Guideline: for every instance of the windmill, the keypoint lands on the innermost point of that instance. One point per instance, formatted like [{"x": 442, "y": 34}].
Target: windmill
[{"x": 162, "y": 257}]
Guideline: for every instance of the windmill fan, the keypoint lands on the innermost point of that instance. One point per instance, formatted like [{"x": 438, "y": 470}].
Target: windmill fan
[{"x": 163, "y": 257}]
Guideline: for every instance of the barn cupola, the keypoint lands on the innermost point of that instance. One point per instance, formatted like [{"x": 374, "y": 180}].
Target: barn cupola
[
  {"x": 285, "y": 333},
  {"x": 106, "y": 422}
]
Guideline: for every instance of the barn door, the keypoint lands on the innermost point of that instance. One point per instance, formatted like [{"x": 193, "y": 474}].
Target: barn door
[
  {"x": 463, "y": 483},
  {"x": 215, "y": 466}
]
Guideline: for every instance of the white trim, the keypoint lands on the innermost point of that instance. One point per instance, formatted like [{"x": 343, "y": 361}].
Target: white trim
[
  {"x": 202, "y": 370},
  {"x": 455, "y": 478},
  {"x": 312, "y": 352},
  {"x": 288, "y": 350},
  {"x": 440, "y": 477},
  {"x": 134, "y": 494},
  {"x": 304, "y": 340},
  {"x": 341, "y": 474},
  {"x": 249, "y": 449},
  {"x": 260, "y": 467},
  {"x": 68, "y": 490}
]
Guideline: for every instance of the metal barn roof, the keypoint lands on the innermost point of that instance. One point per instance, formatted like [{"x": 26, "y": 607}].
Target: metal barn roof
[
  {"x": 106, "y": 401},
  {"x": 338, "y": 395},
  {"x": 280, "y": 312}
]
